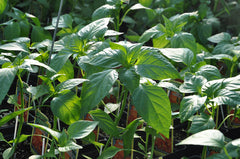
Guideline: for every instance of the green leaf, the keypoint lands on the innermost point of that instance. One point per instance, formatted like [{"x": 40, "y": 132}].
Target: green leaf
[
  {"x": 129, "y": 78},
  {"x": 27, "y": 64},
  {"x": 190, "y": 105},
  {"x": 39, "y": 34},
  {"x": 211, "y": 87},
  {"x": 53, "y": 133},
  {"x": 109, "y": 152},
  {"x": 65, "y": 21},
  {"x": 210, "y": 72},
  {"x": 153, "y": 32},
  {"x": 227, "y": 97},
  {"x": 81, "y": 129},
  {"x": 192, "y": 84},
  {"x": 3, "y": 5},
  {"x": 22, "y": 138},
  {"x": 58, "y": 61},
  {"x": 184, "y": 40},
  {"x": 183, "y": 55},
  {"x": 209, "y": 137},
  {"x": 201, "y": 122},
  {"x": 71, "y": 145},
  {"x": 69, "y": 84},
  {"x": 7, "y": 76},
  {"x": 2, "y": 137},
  {"x": 7, "y": 154},
  {"x": 128, "y": 136},
  {"x": 105, "y": 122},
  {"x": 168, "y": 85},
  {"x": 15, "y": 47},
  {"x": 96, "y": 89},
  {"x": 161, "y": 41},
  {"x": 108, "y": 58},
  {"x": 220, "y": 37},
  {"x": 38, "y": 91},
  {"x": 224, "y": 48},
  {"x": 153, "y": 65},
  {"x": 111, "y": 107},
  {"x": 95, "y": 29},
  {"x": 66, "y": 107},
  {"x": 12, "y": 30},
  {"x": 152, "y": 103},
  {"x": 103, "y": 11},
  {"x": 232, "y": 83},
  {"x": 138, "y": 6}
]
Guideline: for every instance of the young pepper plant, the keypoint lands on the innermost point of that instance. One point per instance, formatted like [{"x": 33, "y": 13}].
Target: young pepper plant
[{"x": 128, "y": 62}]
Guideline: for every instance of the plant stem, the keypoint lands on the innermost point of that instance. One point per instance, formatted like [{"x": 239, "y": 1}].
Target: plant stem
[
  {"x": 225, "y": 120},
  {"x": 204, "y": 152},
  {"x": 152, "y": 148},
  {"x": 225, "y": 150},
  {"x": 123, "y": 104},
  {"x": 217, "y": 116}
]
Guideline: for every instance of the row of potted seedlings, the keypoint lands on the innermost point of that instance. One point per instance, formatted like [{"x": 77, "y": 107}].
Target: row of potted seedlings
[{"x": 103, "y": 98}]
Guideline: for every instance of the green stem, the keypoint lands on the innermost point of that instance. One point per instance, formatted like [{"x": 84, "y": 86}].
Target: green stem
[
  {"x": 225, "y": 150},
  {"x": 225, "y": 120},
  {"x": 22, "y": 115},
  {"x": 204, "y": 152},
  {"x": 217, "y": 116},
  {"x": 152, "y": 148},
  {"x": 122, "y": 107},
  {"x": 146, "y": 143}
]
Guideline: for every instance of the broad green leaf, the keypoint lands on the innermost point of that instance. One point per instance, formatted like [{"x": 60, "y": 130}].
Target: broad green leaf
[
  {"x": 204, "y": 30},
  {"x": 7, "y": 76},
  {"x": 128, "y": 136},
  {"x": 8, "y": 153},
  {"x": 34, "y": 19},
  {"x": 190, "y": 105},
  {"x": 71, "y": 145},
  {"x": 103, "y": 12},
  {"x": 38, "y": 91},
  {"x": 153, "y": 105},
  {"x": 69, "y": 84},
  {"x": 192, "y": 84},
  {"x": 129, "y": 78},
  {"x": 3, "y": 5},
  {"x": 232, "y": 83},
  {"x": 65, "y": 21},
  {"x": 96, "y": 89},
  {"x": 217, "y": 38},
  {"x": 211, "y": 87},
  {"x": 183, "y": 55},
  {"x": 81, "y": 129},
  {"x": 95, "y": 29},
  {"x": 66, "y": 107},
  {"x": 67, "y": 71},
  {"x": 210, "y": 72},
  {"x": 138, "y": 6},
  {"x": 153, "y": 65},
  {"x": 227, "y": 97},
  {"x": 209, "y": 137},
  {"x": 112, "y": 33},
  {"x": 105, "y": 122},
  {"x": 109, "y": 152},
  {"x": 224, "y": 48},
  {"x": 15, "y": 47},
  {"x": 69, "y": 44},
  {"x": 58, "y": 61},
  {"x": 12, "y": 30},
  {"x": 168, "y": 85},
  {"x": 153, "y": 32},
  {"x": 27, "y": 64},
  {"x": 56, "y": 135},
  {"x": 184, "y": 40},
  {"x": 3, "y": 60},
  {"x": 201, "y": 122},
  {"x": 161, "y": 41},
  {"x": 108, "y": 58},
  {"x": 38, "y": 34},
  {"x": 111, "y": 107},
  {"x": 218, "y": 56}
]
